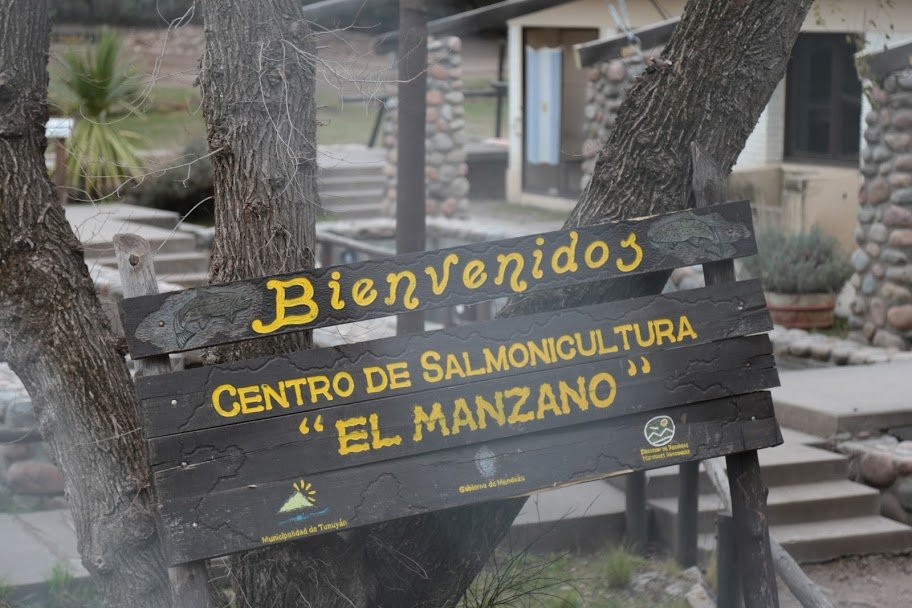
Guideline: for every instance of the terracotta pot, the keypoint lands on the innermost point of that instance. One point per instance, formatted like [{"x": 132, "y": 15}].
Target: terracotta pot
[{"x": 801, "y": 310}]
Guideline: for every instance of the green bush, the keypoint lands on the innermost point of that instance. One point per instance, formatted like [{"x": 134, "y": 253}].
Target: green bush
[
  {"x": 97, "y": 89},
  {"x": 807, "y": 262},
  {"x": 186, "y": 189}
]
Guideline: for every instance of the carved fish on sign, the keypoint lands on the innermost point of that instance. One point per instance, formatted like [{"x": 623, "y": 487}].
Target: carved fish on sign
[
  {"x": 197, "y": 315},
  {"x": 689, "y": 236}
]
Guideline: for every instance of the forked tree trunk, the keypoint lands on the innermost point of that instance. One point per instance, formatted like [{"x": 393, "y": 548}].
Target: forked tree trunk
[{"x": 56, "y": 337}]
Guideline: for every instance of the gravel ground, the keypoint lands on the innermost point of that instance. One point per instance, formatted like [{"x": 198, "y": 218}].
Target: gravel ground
[{"x": 875, "y": 581}]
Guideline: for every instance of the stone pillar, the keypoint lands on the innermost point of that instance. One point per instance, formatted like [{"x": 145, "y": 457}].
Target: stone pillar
[
  {"x": 446, "y": 170},
  {"x": 606, "y": 87},
  {"x": 882, "y": 309}
]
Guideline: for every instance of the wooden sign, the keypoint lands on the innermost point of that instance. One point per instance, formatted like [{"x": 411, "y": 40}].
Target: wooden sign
[
  {"x": 280, "y": 448},
  {"x": 303, "y": 505},
  {"x": 218, "y": 314},
  {"x": 300, "y": 382}
]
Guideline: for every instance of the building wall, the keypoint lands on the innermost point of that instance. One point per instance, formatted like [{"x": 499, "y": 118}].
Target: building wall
[
  {"x": 882, "y": 309},
  {"x": 762, "y": 157}
]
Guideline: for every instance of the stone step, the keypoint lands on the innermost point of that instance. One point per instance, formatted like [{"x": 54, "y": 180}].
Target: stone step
[
  {"x": 186, "y": 279},
  {"x": 349, "y": 170},
  {"x": 361, "y": 181},
  {"x": 350, "y": 211},
  {"x": 830, "y": 539},
  {"x": 783, "y": 465},
  {"x": 352, "y": 196},
  {"x": 172, "y": 263},
  {"x": 791, "y": 504},
  {"x": 852, "y": 399},
  {"x": 583, "y": 517}
]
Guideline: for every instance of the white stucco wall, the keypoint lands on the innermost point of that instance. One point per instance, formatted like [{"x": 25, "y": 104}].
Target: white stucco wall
[{"x": 878, "y": 21}]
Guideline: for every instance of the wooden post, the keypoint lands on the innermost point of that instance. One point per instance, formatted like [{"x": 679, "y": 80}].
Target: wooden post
[
  {"x": 635, "y": 505},
  {"x": 728, "y": 581},
  {"x": 498, "y": 86},
  {"x": 410, "y": 166},
  {"x": 189, "y": 582},
  {"x": 326, "y": 254},
  {"x": 687, "y": 530},
  {"x": 748, "y": 494}
]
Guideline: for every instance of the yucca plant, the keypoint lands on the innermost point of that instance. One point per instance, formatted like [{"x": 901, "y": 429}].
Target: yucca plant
[{"x": 97, "y": 89}]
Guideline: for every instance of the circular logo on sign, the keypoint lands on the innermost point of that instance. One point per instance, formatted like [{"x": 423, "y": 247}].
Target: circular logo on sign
[
  {"x": 659, "y": 431},
  {"x": 486, "y": 461}
]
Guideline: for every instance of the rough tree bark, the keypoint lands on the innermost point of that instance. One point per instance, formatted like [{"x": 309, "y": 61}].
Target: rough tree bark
[
  {"x": 56, "y": 337},
  {"x": 257, "y": 80}
]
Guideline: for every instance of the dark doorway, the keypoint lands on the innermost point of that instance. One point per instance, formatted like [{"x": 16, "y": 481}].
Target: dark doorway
[{"x": 823, "y": 121}]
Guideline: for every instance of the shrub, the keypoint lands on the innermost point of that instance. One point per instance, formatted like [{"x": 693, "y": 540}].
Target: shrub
[
  {"x": 96, "y": 88},
  {"x": 807, "y": 262},
  {"x": 183, "y": 189}
]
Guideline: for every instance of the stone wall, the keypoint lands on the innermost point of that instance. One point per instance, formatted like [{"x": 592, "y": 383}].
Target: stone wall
[
  {"x": 29, "y": 481},
  {"x": 882, "y": 310},
  {"x": 446, "y": 170},
  {"x": 606, "y": 87}
]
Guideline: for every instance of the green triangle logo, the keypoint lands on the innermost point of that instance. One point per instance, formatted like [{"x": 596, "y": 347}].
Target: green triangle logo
[{"x": 297, "y": 502}]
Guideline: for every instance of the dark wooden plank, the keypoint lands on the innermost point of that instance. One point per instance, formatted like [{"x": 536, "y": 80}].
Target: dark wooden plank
[
  {"x": 882, "y": 63},
  {"x": 748, "y": 492},
  {"x": 244, "y": 310},
  {"x": 635, "y": 514},
  {"x": 243, "y": 518},
  {"x": 385, "y": 429},
  {"x": 607, "y": 49},
  {"x": 758, "y": 574},
  {"x": 708, "y": 184},
  {"x": 492, "y": 16},
  {"x": 189, "y": 582},
  {"x": 728, "y": 575},
  {"x": 182, "y": 402}
]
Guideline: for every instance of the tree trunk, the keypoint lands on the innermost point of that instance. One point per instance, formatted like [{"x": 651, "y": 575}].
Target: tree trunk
[
  {"x": 258, "y": 83},
  {"x": 56, "y": 337}
]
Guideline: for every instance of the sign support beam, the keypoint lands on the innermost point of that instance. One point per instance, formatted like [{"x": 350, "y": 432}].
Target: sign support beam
[{"x": 190, "y": 581}]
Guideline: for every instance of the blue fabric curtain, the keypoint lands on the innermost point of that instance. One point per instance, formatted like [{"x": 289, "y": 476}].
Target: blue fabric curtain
[{"x": 543, "y": 105}]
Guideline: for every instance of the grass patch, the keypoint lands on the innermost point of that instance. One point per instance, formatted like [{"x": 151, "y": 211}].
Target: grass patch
[
  {"x": 165, "y": 130},
  {"x": 620, "y": 565},
  {"x": 173, "y": 118},
  {"x": 66, "y": 592},
  {"x": 601, "y": 580}
]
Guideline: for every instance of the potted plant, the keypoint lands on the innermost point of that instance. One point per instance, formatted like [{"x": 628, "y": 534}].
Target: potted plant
[{"x": 801, "y": 275}]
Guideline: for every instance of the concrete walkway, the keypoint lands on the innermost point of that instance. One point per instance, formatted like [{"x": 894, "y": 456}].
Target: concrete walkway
[
  {"x": 853, "y": 399},
  {"x": 33, "y": 544}
]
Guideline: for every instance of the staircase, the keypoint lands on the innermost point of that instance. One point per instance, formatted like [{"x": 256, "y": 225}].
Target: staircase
[
  {"x": 352, "y": 190},
  {"x": 188, "y": 268},
  {"x": 815, "y": 512},
  {"x": 181, "y": 249}
]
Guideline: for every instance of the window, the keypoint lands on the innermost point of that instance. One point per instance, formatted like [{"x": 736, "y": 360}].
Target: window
[{"x": 823, "y": 99}]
